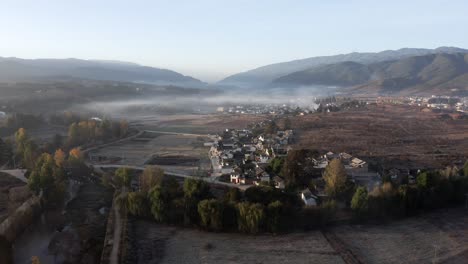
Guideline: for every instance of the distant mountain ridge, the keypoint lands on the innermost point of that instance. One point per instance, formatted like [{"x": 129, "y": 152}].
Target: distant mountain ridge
[
  {"x": 441, "y": 73},
  {"x": 16, "y": 69},
  {"x": 266, "y": 74}
]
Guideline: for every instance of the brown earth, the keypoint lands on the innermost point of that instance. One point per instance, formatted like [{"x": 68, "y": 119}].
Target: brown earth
[
  {"x": 155, "y": 243},
  {"x": 190, "y": 123},
  {"x": 437, "y": 237},
  {"x": 396, "y": 133}
]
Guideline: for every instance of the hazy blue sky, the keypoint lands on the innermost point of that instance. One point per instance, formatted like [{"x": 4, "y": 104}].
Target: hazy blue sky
[{"x": 212, "y": 39}]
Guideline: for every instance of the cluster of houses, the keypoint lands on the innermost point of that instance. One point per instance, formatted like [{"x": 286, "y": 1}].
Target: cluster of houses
[
  {"x": 357, "y": 171},
  {"x": 260, "y": 109},
  {"x": 244, "y": 157},
  {"x": 452, "y": 103}
]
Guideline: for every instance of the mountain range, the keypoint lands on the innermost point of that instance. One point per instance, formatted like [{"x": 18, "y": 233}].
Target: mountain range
[
  {"x": 16, "y": 69},
  {"x": 441, "y": 73},
  {"x": 359, "y": 69}
]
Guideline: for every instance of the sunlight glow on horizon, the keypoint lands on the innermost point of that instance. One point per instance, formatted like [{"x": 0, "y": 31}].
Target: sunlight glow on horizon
[{"x": 211, "y": 39}]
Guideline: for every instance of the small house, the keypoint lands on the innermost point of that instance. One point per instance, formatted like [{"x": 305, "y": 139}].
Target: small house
[
  {"x": 279, "y": 182},
  {"x": 308, "y": 198}
]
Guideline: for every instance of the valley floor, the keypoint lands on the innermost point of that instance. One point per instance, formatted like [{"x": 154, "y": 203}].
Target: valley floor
[{"x": 440, "y": 237}]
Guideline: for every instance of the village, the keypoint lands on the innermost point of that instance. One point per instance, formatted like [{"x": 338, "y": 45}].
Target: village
[
  {"x": 248, "y": 156},
  {"x": 244, "y": 159},
  {"x": 271, "y": 109}
]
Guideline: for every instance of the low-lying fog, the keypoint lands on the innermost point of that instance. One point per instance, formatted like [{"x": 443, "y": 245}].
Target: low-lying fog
[{"x": 205, "y": 103}]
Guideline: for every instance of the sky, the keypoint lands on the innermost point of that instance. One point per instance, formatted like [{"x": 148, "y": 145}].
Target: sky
[{"x": 211, "y": 39}]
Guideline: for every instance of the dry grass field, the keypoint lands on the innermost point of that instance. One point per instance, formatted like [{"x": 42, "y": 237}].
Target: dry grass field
[
  {"x": 397, "y": 134},
  {"x": 438, "y": 237},
  {"x": 180, "y": 153},
  {"x": 176, "y": 153},
  {"x": 198, "y": 124},
  {"x": 393, "y": 132},
  {"x": 154, "y": 243}
]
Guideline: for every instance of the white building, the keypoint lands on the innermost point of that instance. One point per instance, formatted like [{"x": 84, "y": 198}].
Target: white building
[{"x": 308, "y": 198}]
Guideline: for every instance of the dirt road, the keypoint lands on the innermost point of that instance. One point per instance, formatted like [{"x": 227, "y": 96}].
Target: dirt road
[
  {"x": 114, "y": 257},
  {"x": 17, "y": 173}
]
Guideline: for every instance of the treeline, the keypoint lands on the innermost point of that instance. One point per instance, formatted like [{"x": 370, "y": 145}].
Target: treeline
[
  {"x": 46, "y": 170},
  {"x": 91, "y": 131},
  {"x": 326, "y": 100},
  {"x": 259, "y": 209},
  {"x": 24, "y": 120},
  {"x": 66, "y": 118},
  {"x": 19, "y": 120},
  {"x": 25, "y": 151},
  {"x": 270, "y": 127},
  {"x": 81, "y": 129},
  {"x": 431, "y": 191},
  {"x": 6, "y": 153},
  {"x": 296, "y": 168}
]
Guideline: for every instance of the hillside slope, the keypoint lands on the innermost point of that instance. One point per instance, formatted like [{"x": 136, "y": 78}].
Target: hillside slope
[
  {"x": 266, "y": 74},
  {"x": 14, "y": 69},
  {"x": 441, "y": 74}
]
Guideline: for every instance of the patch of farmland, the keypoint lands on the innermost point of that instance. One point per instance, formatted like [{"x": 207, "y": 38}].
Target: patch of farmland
[
  {"x": 392, "y": 132},
  {"x": 438, "y": 237},
  {"x": 155, "y": 243},
  {"x": 144, "y": 149}
]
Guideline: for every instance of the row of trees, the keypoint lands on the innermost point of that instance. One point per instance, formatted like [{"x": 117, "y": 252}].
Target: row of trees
[
  {"x": 431, "y": 191},
  {"x": 6, "y": 152},
  {"x": 49, "y": 177},
  {"x": 48, "y": 173},
  {"x": 46, "y": 170},
  {"x": 26, "y": 149},
  {"x": 66, "y": 118},
  {"x": 85, "y": 132},
  {"x": 260, "y": 209},
  {"x": 296, "y": 166},
  {"x": 19, "y": 120},
  {"x": 28, "y": 153}
]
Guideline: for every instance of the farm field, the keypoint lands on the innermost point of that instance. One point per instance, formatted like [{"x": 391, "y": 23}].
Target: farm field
[
  {"x": 175, "y": 152},
  {"x": 191, "y": 123},
  {"x": 438, "y": 237},
  {"x": 155, "y": 243},
  {"x": 181, "y": 153}
]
